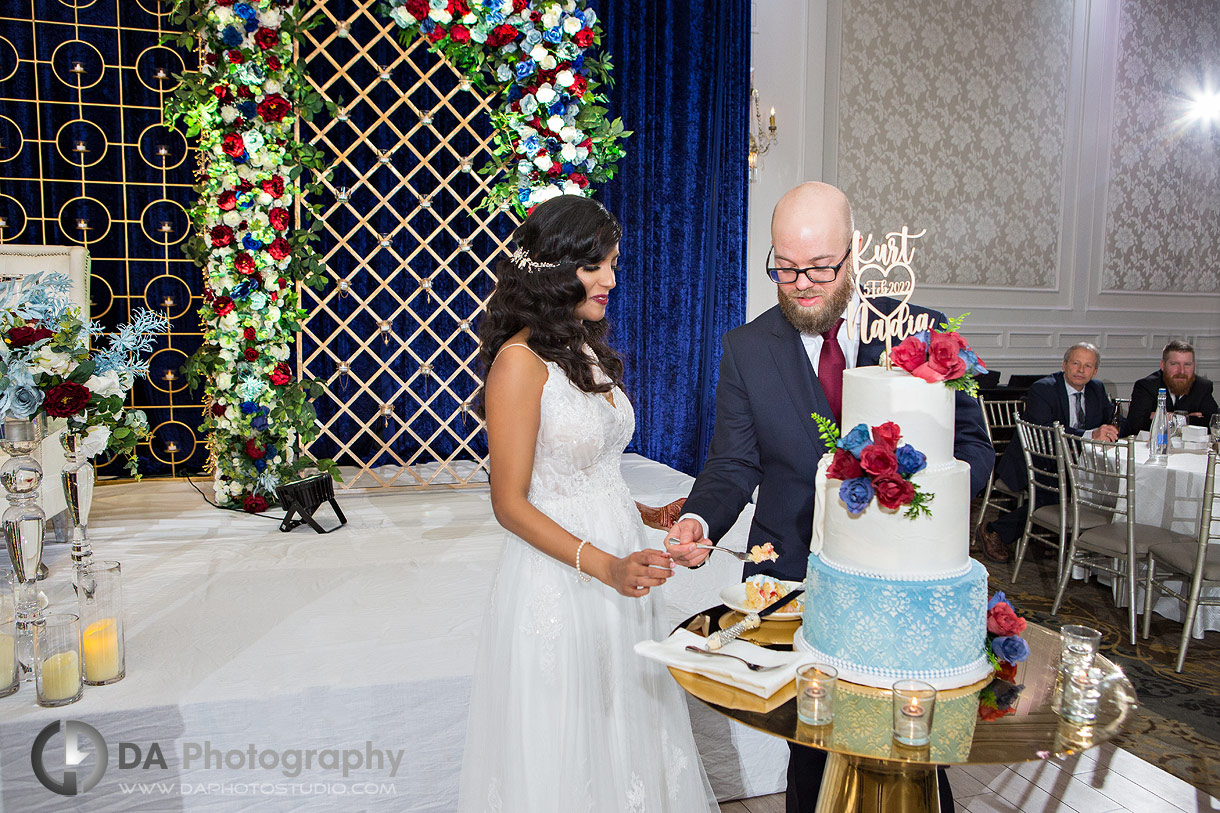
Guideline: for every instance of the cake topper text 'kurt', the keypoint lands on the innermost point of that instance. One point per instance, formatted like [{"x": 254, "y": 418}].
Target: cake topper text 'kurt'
[{"x": 885, "y": 272}]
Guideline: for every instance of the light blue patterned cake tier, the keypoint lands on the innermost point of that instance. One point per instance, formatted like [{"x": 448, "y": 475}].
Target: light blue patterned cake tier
[{"x": 877, "y": 631}]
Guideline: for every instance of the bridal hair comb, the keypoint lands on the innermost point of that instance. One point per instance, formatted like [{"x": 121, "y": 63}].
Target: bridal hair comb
[{"x": 522, "y": 260}]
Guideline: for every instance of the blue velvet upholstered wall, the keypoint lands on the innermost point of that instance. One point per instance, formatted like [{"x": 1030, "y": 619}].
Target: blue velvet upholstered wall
[{"x": 682, "y": 84}]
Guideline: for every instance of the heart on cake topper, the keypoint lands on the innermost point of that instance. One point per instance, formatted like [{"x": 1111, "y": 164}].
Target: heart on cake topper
[{"x": 885, "y": 272}]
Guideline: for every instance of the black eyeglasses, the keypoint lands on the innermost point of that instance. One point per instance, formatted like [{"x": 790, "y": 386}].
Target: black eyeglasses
[{"x": 813, "y": 273}]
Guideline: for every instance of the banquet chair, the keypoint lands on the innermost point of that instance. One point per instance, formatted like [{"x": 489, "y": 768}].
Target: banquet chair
[
  {"x": 1002, "y": 416},
  {"x": 1198, "y": 561},
  {"x": 1049, "y": 519},
  {"x": 1101, "y": 476},
  {"x": 1121, "y": 407}
]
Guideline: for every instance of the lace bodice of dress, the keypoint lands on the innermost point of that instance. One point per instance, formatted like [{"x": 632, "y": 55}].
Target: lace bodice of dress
[{"x": 581, "y": 438}]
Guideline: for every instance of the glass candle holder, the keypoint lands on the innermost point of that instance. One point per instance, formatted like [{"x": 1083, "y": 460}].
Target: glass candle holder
[
  {"x": 1081, "y": 695},
  {"x": 914, "y": 706},
  {"x": 10, "y": 675},
  {"x": 1078, "y": 647},
  {"x": 101, "y": 619},
  {"x": 815, "y": 693},
  {"x": 57, "y": 666}
]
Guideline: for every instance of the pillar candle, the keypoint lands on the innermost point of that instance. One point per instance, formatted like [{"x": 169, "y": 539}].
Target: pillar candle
[
  {"x": 100, "y": 646},
  {"x": 7, "y": 661},
  {"x": 61, "y": 676}
]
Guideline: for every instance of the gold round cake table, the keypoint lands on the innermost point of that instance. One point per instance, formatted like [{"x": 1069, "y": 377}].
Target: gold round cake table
[{"x": 867, "y": 771}]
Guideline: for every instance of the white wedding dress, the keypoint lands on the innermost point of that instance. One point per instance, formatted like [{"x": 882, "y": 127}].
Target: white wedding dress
[{"x": 564, "y": 716}]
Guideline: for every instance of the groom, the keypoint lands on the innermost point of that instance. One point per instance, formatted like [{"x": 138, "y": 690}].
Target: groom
[{"x": 776, "y": 371}]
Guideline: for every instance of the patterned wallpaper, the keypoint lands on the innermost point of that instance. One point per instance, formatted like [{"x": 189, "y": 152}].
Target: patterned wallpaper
[
  {"x": 1163, "y": 202},
  {"x": 951, "y": 118}
]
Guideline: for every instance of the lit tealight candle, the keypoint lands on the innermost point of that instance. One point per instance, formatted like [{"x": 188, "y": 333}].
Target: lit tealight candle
[
  {"x": 77, "y": 67},
  {"x": 162, "y": 149},
  {"x": 61, "y": 676},
  {"x": 161, "y": 74},
  {"x": 82, "y": 224},
  {"x": 168, "y": 302},
  {"x": 100, "y": 644},
  {"x": 80, "y": 147},
  {"x": 165, "y": 227},
  {"x": 171, "y": 447}
]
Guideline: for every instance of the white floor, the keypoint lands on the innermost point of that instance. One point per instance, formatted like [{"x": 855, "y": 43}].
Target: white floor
[{"x": 1104, "y": 780}]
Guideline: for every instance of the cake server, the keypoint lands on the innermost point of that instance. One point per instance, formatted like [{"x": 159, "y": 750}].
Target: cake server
[{"x": 752, "y": 621}]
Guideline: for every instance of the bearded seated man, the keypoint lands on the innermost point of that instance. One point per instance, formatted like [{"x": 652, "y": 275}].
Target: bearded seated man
[{"x": 1184, "y": 391}]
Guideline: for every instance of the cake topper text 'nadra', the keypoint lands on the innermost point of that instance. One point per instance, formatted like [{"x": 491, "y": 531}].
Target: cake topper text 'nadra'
[{"x": 885, "y": 272}]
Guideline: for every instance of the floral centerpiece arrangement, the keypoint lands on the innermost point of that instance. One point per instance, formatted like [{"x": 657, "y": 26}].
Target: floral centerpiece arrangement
[
  {"x": 552, "y": 135},
  {"x": 941, "y": 355},
  {"x": 47, "y": 368},
  {"x": 871, "y": 463}
]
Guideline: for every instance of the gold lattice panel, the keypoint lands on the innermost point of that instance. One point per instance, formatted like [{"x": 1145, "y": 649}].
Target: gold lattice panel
[
  {"x": 410, "y": 261},
  {"x": 85, "y": 159}
]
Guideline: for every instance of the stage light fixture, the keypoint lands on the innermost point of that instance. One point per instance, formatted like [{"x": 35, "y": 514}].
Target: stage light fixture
[{"x": 304, "y": 497}]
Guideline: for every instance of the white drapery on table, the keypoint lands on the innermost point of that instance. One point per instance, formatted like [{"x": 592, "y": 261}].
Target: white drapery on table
[
  {"x": 1170, "y": 497},
  {"x": 363, "y": 640}
]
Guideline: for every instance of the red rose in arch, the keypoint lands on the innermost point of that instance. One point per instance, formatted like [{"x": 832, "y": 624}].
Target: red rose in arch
[
  {"x": 226, "y": 201},
  {"x": 255, "y": 503},
  {"x": 267, "y": 38},
  {"x": 223, "y": 305},
  {"x": 278, "y": 218},
  {"x": 279, "y": 249},
  {"x": 233, "y": 146},
  {"x": 244, "y": 263},
  {"x": 274, "y": 107},
  {"x": 221, "y": 236},
  {"x": 274, "y": 186}
]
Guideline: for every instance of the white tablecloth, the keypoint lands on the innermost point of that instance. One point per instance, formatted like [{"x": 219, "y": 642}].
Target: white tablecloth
[
  {"x": 362, "y": 640},
  {"x": 1170, "y": 497}
]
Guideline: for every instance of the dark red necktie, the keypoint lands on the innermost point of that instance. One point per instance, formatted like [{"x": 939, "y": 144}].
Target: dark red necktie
[{"x": 831, "y": 365}]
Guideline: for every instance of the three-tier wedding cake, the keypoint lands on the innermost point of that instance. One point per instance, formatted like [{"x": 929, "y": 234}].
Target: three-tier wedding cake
[{"x": 889, "y": 596}]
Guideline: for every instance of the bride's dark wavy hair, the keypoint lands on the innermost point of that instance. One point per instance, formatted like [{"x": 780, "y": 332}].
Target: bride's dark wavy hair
[{"x": 572, "y": 232}]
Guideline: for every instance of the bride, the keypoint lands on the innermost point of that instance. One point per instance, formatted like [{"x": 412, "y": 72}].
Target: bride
[{"x": 564, "y": 716}]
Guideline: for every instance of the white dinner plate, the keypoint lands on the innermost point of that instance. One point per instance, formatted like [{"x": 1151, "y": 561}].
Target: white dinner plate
[{"x": 734, "y": 597}]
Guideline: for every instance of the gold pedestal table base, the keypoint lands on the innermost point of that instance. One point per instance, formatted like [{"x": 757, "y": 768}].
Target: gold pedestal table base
[{"x": 867, "y": 771}]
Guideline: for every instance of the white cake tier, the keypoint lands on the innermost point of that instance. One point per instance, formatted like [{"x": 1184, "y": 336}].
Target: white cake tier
[
  {"x": 924, "y": 412},
  {"x": 883, "y": 543}
]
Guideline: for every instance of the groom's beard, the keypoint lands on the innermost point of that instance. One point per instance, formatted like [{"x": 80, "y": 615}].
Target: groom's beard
[{"x": 821, "y": 318}]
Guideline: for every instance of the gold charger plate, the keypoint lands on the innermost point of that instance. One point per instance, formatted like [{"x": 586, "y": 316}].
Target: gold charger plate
[
  {"x": 770, "y": 633},
  {"x": 713, "y": 691}
]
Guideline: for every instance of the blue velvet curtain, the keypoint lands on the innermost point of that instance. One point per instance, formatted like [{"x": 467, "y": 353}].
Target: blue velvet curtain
[{"x": 681, "y": 84}]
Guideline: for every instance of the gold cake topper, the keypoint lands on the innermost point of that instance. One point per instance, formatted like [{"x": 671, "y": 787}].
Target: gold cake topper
[{"x": 886, "y": 272}]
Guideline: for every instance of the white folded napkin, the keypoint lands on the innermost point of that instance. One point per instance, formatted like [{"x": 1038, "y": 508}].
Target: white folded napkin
[{"x": 672, "y": 652}]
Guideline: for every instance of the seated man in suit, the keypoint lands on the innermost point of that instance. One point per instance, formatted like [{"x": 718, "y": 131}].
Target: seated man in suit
[
  {"x": 776, "y": 371},
  {"x": 1079, "y": 404},
  {"x": 1184, "y": 391}
]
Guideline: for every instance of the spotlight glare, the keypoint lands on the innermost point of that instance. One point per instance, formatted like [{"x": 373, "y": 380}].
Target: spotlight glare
[{"x": 1205, "y": 107}]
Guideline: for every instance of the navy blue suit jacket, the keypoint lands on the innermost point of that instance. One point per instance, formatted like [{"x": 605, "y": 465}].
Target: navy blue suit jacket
[
  {"x": 765, "y": 437},
  {"x": 1046, "y": 401}
]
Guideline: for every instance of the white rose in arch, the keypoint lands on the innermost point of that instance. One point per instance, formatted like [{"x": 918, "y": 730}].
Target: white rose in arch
[
  {"x": 272, "y": 86},
  {"x": 568, "y": 152},
  {"x": 565, "y": 78},
  {"x": 538, "y": 53},
  {"x": 545, "y": 94},
  {"x": 572, "y": 24},
  {"x": 555, "y": 123},
  {"x": 224, "y": 380},
  {"x": 543, "y": 162},
  {"x": 548, "y": 62}
]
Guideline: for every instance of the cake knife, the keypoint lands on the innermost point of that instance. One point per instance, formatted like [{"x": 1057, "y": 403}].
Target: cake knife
[{"x": 752, "y": 621}]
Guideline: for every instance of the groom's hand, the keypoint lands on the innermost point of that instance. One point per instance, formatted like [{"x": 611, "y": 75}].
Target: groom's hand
[{"x": 681, "y": 541}]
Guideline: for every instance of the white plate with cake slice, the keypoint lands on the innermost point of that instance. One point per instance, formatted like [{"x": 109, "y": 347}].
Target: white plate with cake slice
[{"x": 735, "y": 598}]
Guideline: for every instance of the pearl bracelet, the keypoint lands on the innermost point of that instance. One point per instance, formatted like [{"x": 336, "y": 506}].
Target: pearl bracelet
[{"x": 584, "y": 577}]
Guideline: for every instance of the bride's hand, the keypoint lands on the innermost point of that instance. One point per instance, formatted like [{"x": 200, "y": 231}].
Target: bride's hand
[{"x": 635, "y": 574}]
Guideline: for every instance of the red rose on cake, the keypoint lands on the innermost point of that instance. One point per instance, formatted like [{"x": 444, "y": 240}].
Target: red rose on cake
[
  {"x": 878, "y": 460},
  {"x": 893, "y": 491}
]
